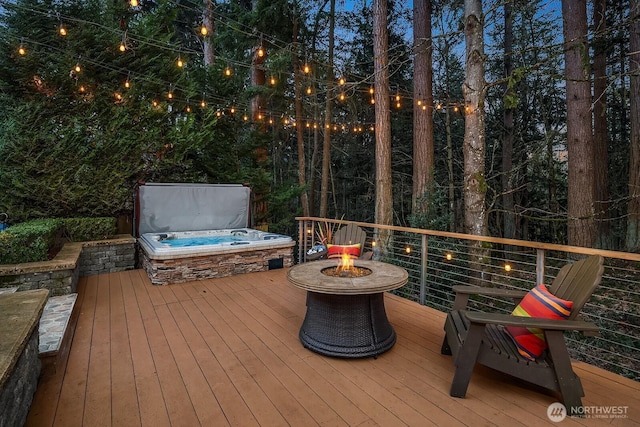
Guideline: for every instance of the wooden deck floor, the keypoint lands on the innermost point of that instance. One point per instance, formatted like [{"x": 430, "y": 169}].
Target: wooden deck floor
[{"x": 226, "y": 352}]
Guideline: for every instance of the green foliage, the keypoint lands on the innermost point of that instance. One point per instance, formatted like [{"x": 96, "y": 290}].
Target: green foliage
[
  {"x": 29, "y": 241},
  {"x": 87, "y": 229}
]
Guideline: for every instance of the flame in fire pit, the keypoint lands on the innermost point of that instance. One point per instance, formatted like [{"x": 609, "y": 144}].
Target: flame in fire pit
[
  {"x": 346, "y": 264},
  {"x": 346, "y": 268}
]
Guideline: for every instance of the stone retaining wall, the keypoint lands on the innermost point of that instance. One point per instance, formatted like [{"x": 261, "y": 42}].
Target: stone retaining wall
[
  {"x": 75, "y": 259},
  {"x": 19, "y": 363}
]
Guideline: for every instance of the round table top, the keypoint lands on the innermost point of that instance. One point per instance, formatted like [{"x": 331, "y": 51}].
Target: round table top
[{"x": 383, "y": 277}]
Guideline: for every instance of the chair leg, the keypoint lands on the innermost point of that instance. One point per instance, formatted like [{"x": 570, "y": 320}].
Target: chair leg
[
  {"x": 466, "y": 360},
  {"x": 445, "y": 349},
  {"x": 569, "y": 383}
]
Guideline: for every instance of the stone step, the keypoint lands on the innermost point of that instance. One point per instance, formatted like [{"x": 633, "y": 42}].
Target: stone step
[{"x": 57, "y": 326}]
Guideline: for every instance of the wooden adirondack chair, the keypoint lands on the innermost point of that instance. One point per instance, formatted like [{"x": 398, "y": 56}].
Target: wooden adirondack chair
[
  {"x": 351, "y": 234},
  {"x": 478, "y": 337}
]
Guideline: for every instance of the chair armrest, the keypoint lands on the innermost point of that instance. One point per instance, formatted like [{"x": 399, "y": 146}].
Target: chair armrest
[
  {"x": 463, "y": 292},
  {"x": 531, "y": 322}
]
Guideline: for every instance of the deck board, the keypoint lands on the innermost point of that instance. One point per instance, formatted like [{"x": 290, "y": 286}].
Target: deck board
[{"x": 226, "y": 352}]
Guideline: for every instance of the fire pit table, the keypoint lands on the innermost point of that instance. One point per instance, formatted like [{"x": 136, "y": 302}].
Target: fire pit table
[{"x": 346, "y": 315}]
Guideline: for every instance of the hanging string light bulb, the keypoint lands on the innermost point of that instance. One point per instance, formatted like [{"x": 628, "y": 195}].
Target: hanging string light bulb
[
  {"x": 227, "y": 71},
  {"x": 203, "y": 103},
  {"x": 306, "y": 68},
  {"x": 62, "y": 30},
  {"x": 342, "y": 96},
  {"x": 309, "y": 90},
  {"x": 272, "y": 81},
  {"x": 170, "y": 93},
  {"x": 127, "y": 84},
  {"x": 179, "y": 62},
  {"x": 232, "y": 110},
  {"x": 342, "y": 81},
  {"x": 260, "y": 52},
  {"x": 123, "y": 43},
  {"x": 77, "y": 68},
  {"x": 203, "y": 30},
  {"x": 397, "y": 98},
  {"x": 133, "y": 3},
  {"x": 21, "y": 50}
]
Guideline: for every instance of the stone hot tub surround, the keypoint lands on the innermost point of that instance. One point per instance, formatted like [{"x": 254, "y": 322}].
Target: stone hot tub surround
[{"x": 252, "y": 251}]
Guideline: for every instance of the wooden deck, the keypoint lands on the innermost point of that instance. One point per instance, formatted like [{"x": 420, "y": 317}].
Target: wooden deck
[{"x": 226, "y": 352}]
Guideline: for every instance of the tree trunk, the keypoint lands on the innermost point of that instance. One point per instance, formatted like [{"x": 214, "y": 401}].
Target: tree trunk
[
  {"x": 302, "y": 168},
  {"x": 474, "y": 89},
  {"x": 326, "y": 144},
  {"x": 207, "y": 22},
  {"x": 508, "y": 216},
  {"x": 384, "y": 194},
  {"x": 423, "y": 145},
  {"x": 581, "y": 230},
  {"x": 633, "y": 220},
  {"x": 600, "y": 138}
]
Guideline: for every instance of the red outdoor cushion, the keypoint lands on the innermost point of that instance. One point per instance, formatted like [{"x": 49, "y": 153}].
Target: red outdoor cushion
[
  {"x": 336, "y": 251},
  {"x": 539, "y": 302}
]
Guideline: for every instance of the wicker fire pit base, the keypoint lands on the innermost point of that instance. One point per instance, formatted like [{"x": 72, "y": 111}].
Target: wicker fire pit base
[
  {"x": 347, "y": 326},
  {"x": 346, "y": 316}
]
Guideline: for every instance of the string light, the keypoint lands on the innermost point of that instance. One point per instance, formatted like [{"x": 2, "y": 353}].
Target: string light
[
  {"x": 77, "y": 67},
  {"x": 342, "y": 97},
  {"x": 449, "y": 256},
  {"x": 203, "y": 30},
  {"x": 306, "y": 69},
  {"x": 133, "y": 3},
  {"x": 228, "y": 71},
  {"x": 232, "y": 110},
  {"x": 407, "y": 250},
  {"x": 21, "y": 50},
  {"x": 272, "y": 81},
  {"x": 507, "y": 267},
  {"x": 342, "y": 81},
  {"x": 180, "y": 62},
  {"x": 260, "y": 52},
  {"x": 62, "y": 30},
  {"x": 127, "y": 84}
]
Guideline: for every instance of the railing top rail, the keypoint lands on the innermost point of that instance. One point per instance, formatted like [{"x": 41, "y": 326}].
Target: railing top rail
[{"x": 629, "y": 256}]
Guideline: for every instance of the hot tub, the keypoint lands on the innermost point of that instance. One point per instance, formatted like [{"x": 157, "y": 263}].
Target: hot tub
[{"x": 179, "y": 257}]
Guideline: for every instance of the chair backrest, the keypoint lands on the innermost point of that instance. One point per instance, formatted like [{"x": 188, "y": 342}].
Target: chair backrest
[
  {"x": 576, "y": 282},
  {"x": 350, "y": 234}
]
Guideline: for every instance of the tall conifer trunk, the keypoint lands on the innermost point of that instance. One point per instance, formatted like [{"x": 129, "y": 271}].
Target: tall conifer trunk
[
  {"x": 633, "y": 220},
  {"x": 581, "y": 230}
]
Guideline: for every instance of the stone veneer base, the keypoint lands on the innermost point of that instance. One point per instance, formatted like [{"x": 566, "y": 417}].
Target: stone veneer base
[{"x": 180, "y": 270}]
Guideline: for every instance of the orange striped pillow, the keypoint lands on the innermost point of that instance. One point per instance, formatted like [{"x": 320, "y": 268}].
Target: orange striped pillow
[
  {"x": 541, "y": 303},
  {"x": 336, "y": 251}
]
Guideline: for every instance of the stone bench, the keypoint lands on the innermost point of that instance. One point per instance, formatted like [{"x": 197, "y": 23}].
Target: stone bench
[
  {"x": 57, "y": 326},
  {"x": 20, "y": 366}
]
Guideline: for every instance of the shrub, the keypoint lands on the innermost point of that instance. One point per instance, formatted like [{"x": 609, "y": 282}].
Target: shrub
[
  {"x": 29, "y": 241},
  {"x": 86, "y": 229}
]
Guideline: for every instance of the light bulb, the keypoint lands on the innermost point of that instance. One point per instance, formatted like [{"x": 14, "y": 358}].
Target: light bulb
[
  {"x": 203, "y": 103},
  {"x": 62, "y": 30},
  {"x": 122, "y": 47},
  {"x": 449, "y": 256},
  {"x": 232, "y": 110},
  {"x": 134, "y": 3},
  {"x": 372, "y": 101},
  {"x": 342, "y": 81},
  {"x": 203, "y": 30},
  {"x": 22, "y": 51},
  {"x": 180, "y": 63},
  {"x": 260, "y": 52},
  {"x": 170, "y": 95},
  {"x": 77, "y": 68},
  {"x": 272, "y": 80},
  {"x": 227, "y": 71},
  {"x": 507, "y": 267},
  {"x": 306, "y": 69},
  {"x": 188, "y": 109},
  {"x": 309, "y": 91},
  {"x": 371, "y": 90},
  {"x": 342, "y": 97},
  {"x": 127, "y": 84}
]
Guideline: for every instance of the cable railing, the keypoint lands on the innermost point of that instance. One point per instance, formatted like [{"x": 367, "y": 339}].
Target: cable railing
[{"x": 436, "y": 261}]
